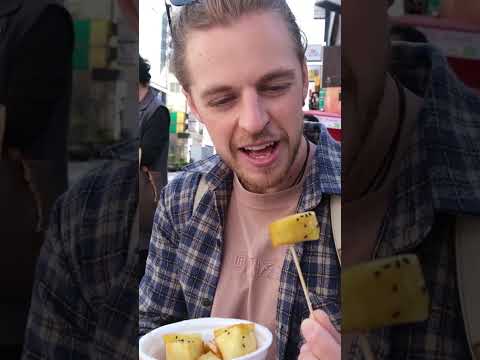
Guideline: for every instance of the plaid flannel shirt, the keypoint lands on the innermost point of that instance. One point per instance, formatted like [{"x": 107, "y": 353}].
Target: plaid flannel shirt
[
  {"x": 184, "y": 260},
  {"x": 85, "y": 297},
  {"x": 439, "y": 179}
]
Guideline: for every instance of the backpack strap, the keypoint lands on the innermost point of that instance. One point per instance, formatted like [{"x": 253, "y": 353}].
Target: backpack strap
[
  {"x": 201, "y": 190},
  {"x": 467, "y": 245},
  {"x": 336, "y": 221}
]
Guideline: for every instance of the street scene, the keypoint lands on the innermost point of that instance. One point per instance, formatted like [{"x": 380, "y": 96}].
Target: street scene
[{"x": 97, "y": 124}]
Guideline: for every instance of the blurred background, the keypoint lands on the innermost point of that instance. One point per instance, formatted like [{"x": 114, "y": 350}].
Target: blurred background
[
  {"x": 104, "y": 107},
  {"x": 453, "y": 26}
]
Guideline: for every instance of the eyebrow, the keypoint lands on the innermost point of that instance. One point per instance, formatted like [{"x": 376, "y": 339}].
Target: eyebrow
[
  {"x": 287, "y": 74},
  {"x": 282, "y": 74},
  {"x": 215, "y": 90}
]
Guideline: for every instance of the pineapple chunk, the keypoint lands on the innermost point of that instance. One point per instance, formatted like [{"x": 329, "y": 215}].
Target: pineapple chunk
[
  {"x": 209, "y": 356},
  {"x": 383, "y": 292},
  {"x": 183, "y": 346},
  {"x": 235, "y": 341},
  {"x": 294, "y": 229}
]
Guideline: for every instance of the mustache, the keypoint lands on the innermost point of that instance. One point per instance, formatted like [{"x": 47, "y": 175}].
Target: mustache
[{"x": 264, "y": 136}]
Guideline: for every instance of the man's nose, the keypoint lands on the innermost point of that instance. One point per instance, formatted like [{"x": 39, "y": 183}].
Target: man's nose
[{"x": 253, "y": 117}]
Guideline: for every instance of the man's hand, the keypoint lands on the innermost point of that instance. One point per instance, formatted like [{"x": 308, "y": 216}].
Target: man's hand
[{"x": 322, "y": 340}]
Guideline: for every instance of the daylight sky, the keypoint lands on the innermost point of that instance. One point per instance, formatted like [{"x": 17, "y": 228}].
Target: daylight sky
[
  {"x": 151, "y": 12},
  {"x": 303, "y": 11}
]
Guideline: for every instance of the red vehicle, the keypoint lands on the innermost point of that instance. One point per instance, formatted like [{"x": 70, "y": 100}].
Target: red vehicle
[{"x": 333, "y": 122}]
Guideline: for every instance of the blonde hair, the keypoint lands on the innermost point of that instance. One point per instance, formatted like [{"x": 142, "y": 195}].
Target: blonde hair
[{"x": 206, "y": 14}]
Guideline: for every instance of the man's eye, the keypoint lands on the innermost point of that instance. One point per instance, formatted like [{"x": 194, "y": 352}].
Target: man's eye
[
  {"x": 223, "y": 101},
  {"x": 275, "y": 89}
]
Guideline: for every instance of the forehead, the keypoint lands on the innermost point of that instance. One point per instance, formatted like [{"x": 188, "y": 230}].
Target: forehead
[{"x": 240, "y": 53}]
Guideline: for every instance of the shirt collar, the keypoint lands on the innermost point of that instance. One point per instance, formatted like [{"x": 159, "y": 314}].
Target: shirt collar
[
  {"x": 322, "y": 176},
  {"x": 149, "y": 97},
  {"x": 452, "y": 142},
  {"x": 440, "y": 173}
]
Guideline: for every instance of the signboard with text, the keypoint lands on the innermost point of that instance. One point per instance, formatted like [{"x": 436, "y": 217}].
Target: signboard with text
[{"x": 314, "y": 52}]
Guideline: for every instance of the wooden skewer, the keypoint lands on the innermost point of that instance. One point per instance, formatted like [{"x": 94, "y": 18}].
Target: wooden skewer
[
  {"x": 363, "y": 342},
  {"x": 302, "y": 280}
]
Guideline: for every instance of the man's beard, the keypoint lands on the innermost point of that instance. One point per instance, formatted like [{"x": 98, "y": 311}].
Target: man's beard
[{"x": 269, "y": 177}]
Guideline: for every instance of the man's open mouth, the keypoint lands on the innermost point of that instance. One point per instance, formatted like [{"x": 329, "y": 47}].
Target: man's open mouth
[{"x": 260, "y": 151}]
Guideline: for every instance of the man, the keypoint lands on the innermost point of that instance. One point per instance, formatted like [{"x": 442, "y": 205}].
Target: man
[
  {"x": 154, "y": 125},
  {"x": 36, "y": 46},
  {"x": 410, "y": 166},
  {"x": 242, "y": 67}
]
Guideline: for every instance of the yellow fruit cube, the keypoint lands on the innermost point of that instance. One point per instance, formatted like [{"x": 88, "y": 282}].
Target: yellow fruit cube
[
  {"x": 383, "y": 292},
  {"x": 235, "y": 341},
  {"x": 183, "y": 346},
  {"x": 294, "y": 229}
]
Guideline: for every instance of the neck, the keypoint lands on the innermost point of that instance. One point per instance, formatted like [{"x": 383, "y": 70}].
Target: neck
[
  {"x": 298, "y": 167},
  {"x": 367, "y": 157},
  {"x": 142, "y": 92}
]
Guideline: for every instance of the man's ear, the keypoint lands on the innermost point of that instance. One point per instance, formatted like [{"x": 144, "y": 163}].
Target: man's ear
[{"x": 191, "y": 104}]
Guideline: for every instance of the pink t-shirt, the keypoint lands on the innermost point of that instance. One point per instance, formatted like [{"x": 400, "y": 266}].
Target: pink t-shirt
[{"x": 251, "y": 266}]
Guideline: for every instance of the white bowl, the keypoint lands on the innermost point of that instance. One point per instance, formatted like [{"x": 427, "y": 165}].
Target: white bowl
[{"x": 151, "y": 346}]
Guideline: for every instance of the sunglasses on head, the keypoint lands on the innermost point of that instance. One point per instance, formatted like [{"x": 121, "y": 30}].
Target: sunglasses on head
[
  {"x": 175, "y": 3},
  {"x": 181, "y": 2}
]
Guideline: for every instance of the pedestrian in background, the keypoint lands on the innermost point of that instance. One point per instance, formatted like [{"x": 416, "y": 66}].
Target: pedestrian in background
[{"x": 154, "y": 125}]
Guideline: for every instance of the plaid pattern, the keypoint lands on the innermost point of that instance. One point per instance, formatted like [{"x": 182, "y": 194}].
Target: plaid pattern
[
  {"x": 184, "y": 260},
  {"x": 85, "y": 297},
  {"x": 440, "y": 178}
]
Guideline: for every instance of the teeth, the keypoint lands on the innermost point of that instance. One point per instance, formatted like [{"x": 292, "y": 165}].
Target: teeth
[{"x": 258, "y": 148}]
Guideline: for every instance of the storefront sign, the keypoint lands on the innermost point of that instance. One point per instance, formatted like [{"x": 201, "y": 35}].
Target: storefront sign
[
  {"x": 314, "y": 53},
  {"x": 314, "y": 72}
]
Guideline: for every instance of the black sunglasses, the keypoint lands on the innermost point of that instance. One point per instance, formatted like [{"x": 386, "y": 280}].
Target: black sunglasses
[{"x": 175, "y": 3}]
